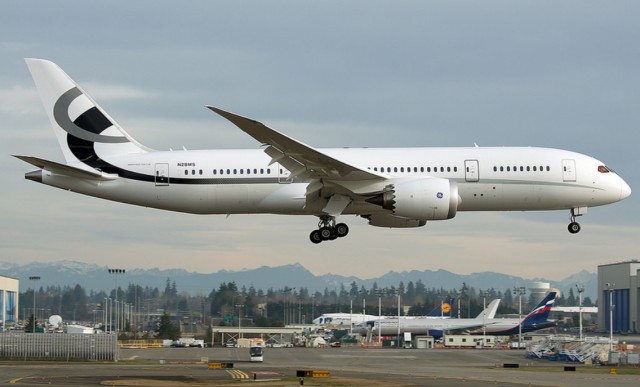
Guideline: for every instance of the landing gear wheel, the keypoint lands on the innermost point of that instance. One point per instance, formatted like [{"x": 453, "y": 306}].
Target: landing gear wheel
[
  {"x": 328, "y": 230},
  {"x": 315, "y": 236},
  {"x": 341, "y": 230},
  {"x": 574, "y": 227},
  {"x": 325, "y": 233}
]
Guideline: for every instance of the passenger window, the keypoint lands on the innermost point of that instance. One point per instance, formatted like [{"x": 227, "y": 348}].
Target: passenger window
[
  {"x": 193, "y": 171},
  {"x": 200, "y": 171},
  {"x": 186, "y": 172},
  {"x": 495, "y": 169}
]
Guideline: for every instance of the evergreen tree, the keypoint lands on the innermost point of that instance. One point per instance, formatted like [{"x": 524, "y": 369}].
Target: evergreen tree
[{"x": 166, "y": 329}]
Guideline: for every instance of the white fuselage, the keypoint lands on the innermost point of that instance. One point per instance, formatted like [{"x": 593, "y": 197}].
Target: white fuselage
[{"x": 243, "y": 182}]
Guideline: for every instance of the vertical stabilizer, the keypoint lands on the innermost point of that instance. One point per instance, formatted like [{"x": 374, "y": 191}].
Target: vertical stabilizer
[
  {"x": 85, "y": 132},
  {"x": 540, "y": 313}
]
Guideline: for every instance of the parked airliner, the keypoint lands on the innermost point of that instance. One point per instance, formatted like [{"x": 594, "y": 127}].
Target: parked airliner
[
  {"x": 433, "y": 326},
  {"x": 390, "y": 187},
  {"x": 347, "y": 319},
  {"x": 536, "y": 319}
]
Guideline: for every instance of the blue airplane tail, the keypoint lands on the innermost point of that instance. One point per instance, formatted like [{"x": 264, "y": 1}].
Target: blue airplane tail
[{"x": 540, "y": 313}]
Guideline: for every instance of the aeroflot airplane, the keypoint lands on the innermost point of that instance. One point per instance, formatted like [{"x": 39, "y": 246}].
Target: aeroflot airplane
[{"x": 390, "y": 187}]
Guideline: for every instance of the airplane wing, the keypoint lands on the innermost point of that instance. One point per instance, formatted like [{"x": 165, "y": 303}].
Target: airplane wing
[
  {"x": 302, "y": 160},
  {"x": 63, "y": 169},
  {"x": 465, "y": 328}
]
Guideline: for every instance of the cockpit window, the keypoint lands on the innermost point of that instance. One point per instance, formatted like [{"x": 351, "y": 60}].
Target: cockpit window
[{"x": 605, "y": 169}]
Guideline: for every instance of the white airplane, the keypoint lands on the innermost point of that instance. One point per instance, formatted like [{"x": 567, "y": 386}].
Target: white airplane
[
  {"x": 390, "y": 187},
  {"x": 434, "y": 326},
  {"x": 342, "y": 319},
  {"x": 347, "y": 319}
]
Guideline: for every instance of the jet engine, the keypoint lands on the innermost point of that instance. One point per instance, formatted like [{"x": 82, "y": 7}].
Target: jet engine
[{"x": 427, "y": 198}]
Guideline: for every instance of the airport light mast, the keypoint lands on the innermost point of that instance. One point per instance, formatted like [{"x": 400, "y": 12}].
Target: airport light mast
[
  {"x": 610, "y": 286},
  {"x": 580, "y": 290},
  {"x": 520, "y": 291},
  {"x": 116, "y": 272},
  {"x": 239, "y": 306},
  {"x": 34, "y": 278},
  {"x": 398, "y": 292},
  {"x": 484, "y": 295},
  {"x": 380, "y": 293}
]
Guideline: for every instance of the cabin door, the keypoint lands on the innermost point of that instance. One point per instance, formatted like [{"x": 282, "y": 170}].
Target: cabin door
[
  {"x": 568, "y": 170},
  {"x": 471, "y": 173},
  {"x": 162, "y": 175}
]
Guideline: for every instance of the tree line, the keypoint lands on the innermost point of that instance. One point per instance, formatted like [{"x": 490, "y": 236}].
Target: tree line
[{"x": 274, "y": 306}]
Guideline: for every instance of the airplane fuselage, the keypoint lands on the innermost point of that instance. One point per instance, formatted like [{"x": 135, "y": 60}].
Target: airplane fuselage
[{"x": 242, "y": 181}]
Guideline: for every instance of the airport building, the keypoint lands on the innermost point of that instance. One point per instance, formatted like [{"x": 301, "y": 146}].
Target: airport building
[
  {"x": 619, "y": 285},
  {"x": 9, "y": 290}
]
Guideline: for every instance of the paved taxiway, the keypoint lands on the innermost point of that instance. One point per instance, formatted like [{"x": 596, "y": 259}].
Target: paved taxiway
[{"x": 348, "y": 366}]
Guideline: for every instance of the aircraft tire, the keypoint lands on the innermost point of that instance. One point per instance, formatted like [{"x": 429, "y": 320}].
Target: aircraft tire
[
  {"x": 325, "y": 233},
  {"x": 341, "y": 230},
  {"x": 574, "y": 227},
  {"x": 315, "y": 236}
]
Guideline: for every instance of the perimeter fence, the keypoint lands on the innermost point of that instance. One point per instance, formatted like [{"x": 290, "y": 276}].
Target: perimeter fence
[{"x": 54, "y": 346}]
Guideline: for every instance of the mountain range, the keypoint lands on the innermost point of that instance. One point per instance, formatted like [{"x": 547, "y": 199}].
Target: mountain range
[{"x": 96, "y": 277}]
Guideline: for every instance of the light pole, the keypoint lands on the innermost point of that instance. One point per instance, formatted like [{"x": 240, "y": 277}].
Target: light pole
[
  {"x": 580, "y": 290},
  {"x": 610, "y": 286},
  {"x": 105, "y": 316},
  {"x": 379, "y": 293},
  {"x": 520, "y": 291},
  {"x": 484, "y": 295},
  {"x": 34, "y": 278},
  {"x": 399, "y": 293},
  {"x": 364, "y": 304},
  {"x": 115, "y": 272},
  {"x": 239, "y": 306}
]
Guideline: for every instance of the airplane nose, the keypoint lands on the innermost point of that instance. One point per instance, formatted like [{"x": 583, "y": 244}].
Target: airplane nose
[{"x": 625, "y": 190}]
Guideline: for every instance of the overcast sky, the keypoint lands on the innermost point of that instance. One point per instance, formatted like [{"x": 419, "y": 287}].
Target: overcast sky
[{"x": 331, "y": 74}]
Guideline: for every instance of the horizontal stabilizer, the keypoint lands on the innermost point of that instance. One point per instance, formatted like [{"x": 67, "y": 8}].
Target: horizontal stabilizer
[{"x": 66, "y": 170}]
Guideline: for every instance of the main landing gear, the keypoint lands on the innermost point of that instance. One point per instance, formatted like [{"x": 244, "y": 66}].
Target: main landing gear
[{"x": 328, "y": 230}]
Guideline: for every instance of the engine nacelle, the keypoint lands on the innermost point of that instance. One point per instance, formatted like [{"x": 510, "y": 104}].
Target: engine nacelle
[{"x": 426, "y": 198}]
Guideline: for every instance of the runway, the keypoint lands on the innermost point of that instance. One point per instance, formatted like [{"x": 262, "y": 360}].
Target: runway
[{"x": 347, "y": 366}]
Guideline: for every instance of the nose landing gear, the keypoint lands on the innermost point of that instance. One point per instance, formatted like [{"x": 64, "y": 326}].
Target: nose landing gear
[
  {"x": 574, "y": 227},
  {"x": 328, "y": 230}
]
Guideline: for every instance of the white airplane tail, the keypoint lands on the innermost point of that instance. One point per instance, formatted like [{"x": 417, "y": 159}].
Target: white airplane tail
[{"x": 87, "y": 135}]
